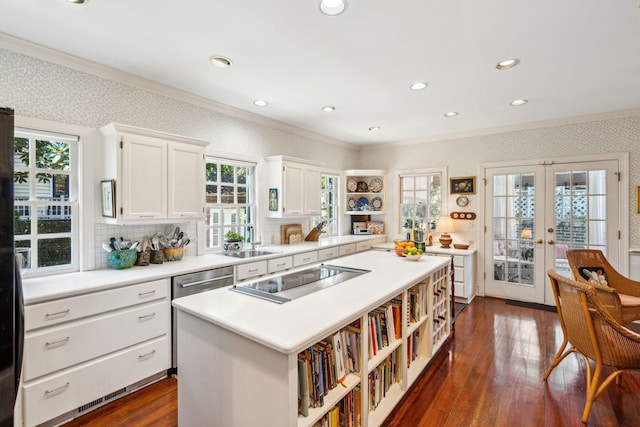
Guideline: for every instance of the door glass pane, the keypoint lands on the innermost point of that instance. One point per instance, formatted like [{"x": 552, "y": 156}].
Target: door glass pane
[{"x": 513, "y": 217}]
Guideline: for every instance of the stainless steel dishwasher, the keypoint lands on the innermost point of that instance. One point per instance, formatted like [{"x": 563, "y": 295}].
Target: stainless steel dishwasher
[{"x": 193, "y": 283}]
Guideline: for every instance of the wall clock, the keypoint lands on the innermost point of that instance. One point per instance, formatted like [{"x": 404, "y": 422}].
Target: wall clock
[{"x": 462, "y": 201}]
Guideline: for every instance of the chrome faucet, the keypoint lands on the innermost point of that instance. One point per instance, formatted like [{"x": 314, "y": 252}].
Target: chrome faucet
[{"x": 253, "y": 240}]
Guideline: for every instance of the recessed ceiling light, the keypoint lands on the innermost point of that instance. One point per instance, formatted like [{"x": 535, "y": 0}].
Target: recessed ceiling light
[
  {"x": 333, "y": 7},
  {"x": 328, "y": 108},
  {"x": 374, "y": 128},
  {"x": 419, "y": 85},
  {"x": 451, "y": 114},
  {"x": 518, "y": 102},
  {"x": 260, "y": 103},
  {"x": 221, "y": 61},
  {"x": 77, "y": 1},
  {"x": 507, "y": 63}
]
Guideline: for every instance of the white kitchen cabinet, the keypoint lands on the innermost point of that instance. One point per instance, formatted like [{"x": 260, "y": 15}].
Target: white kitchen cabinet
[
  {"x": 250, "y": 270},
  {"x": 296, "y": 183},
  {"x": 464, "y": 265},
  {"x": 328, "y": 253},
  {"x": 347, "y": 249},
  {"x": 279, "y": 264},
  {"x": 305, "y": 258},
  {"x": 158, "y": 177},
  {"x": 92, "y": 352},
  {"x": 365, "y": 189}
]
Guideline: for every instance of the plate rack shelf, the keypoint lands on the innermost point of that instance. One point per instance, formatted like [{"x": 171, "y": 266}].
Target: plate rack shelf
[{"x": 365, "y": 190}]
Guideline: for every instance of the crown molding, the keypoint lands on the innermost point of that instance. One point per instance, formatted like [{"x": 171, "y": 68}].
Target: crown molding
[
  {"x": 53, "y": 56},
  {"x": 505, "y": 129}
]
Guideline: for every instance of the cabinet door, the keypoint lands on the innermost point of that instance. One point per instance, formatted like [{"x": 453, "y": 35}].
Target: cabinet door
[
  {"x": 293, "y": 188},
  {"x": 144, "y": 178},
  {"x": 186, "y": 176},
  {"x": 312, "y": 183}
]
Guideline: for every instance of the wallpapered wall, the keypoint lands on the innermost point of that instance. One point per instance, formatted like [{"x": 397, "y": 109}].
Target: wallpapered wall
[
  {"x": 43, "y": 90},
  {"x": 39, "y": 89},
  {"x": 464, "y": 156}
]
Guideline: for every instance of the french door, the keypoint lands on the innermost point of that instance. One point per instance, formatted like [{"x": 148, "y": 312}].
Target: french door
[{"x": 535, "y": 213}]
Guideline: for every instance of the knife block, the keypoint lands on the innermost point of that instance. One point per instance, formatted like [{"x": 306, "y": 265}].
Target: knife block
[{"x": 313, "y": 235}]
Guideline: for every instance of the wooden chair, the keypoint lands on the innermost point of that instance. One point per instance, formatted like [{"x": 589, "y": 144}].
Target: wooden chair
[
  {"x": 590, "y": 320},
  {"x": 628, "y": 290}
]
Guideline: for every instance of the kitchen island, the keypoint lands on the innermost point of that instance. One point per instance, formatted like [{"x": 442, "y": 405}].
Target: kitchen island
[{"x": 238, "y": 355}]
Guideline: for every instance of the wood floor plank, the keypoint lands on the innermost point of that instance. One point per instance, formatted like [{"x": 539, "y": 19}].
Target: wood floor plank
[{"x": 489, "y": 375}]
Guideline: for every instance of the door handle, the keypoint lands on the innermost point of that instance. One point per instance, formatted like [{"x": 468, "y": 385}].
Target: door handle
[
  {"x": 539, "y": 241},
  {"x": 551, "y": 242}
]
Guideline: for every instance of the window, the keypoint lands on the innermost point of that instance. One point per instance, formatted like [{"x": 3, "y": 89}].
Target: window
[
  {"x": 230, "y": 201},
  {"x": 45, "y": 201},
  {"x": 329, "y": 206},
  {"x": 421, "y": 201}
]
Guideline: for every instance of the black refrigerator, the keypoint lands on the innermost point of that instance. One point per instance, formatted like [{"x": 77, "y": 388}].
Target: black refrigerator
[{"x": 11, "y": 304}]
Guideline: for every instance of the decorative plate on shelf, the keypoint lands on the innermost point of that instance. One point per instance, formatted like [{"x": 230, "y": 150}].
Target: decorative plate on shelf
[
  {"x": 363, "y": 204},
  {"x": 362, "y": 187},
  {"x": 353, "y": 205},
  {"x": 375, "y": 185},
  {"x": 376, "y": 203},
  {"x": 352, "y": 185}
]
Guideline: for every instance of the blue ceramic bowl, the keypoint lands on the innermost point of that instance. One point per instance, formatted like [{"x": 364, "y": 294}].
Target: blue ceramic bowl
[{"x": 122, "y": 259}]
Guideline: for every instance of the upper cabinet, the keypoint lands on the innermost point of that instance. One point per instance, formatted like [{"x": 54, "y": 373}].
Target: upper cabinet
[
  {"x": 364, "y": 191},
  {"x": 292, "y": 187},
  {"x": 158, "y": 177}
]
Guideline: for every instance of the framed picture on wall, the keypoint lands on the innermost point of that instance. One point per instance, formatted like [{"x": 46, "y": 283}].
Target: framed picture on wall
[
  {"x": 108, "y": 192},
  {"x": 273, "y": 199},
  {"x": 463, "y": 185}
]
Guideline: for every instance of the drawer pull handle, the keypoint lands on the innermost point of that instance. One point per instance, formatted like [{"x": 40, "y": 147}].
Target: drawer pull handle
[
  {"x": 56, "y": 390},
  {"x": 63, "y": 341},
  {"x": 281, "y": 264},
  {"x": 146, "y": 294},
  {"x": 253, "y": 271},
  {"x": 146, "y": 355},
  {"x": 146, "y": 316},
  {"x": 58, "y": 313},
  {"x": 306, "y": 259}
]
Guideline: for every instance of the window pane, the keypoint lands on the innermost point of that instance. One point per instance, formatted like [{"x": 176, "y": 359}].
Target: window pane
[
  {"x": 22, "y": 220},
  {"x": 227, "y": 194},
  {"x": 23, "y": 253},
  {"x": 52, "y": 155},
  {"x": 227, "y": 173},
  {"x": 242, "y": 195},
  {"x": 54, "y": 252},
  {"x": 21, "y": 151},
  {"x": 54, "y": 219},
  {"x": 242, "y": 175},
  {"x": 212, "y": 193}
]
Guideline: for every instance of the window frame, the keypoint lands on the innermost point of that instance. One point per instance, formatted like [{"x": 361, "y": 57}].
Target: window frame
[
  {"x": 34, "y": 205},
  {"x": 444, "y": 191},
  {"x": 247, "y": 228},
  {"x": 333, "y": 222}
]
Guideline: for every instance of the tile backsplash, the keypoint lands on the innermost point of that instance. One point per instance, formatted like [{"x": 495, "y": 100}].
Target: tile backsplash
[{"x": 104, "y": 232}]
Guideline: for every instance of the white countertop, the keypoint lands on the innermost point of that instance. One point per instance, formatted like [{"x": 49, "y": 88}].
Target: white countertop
[
  {"x": 294, "y": 325},
  {"x": 53, "y": 287}
]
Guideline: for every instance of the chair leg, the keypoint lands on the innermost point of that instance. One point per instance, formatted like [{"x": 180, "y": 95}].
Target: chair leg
[
  {"x": 592, "y": 392},
  {"x": 559, "y": 357}
]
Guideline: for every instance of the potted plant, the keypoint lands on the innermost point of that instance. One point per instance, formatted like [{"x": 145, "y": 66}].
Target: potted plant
[{"x": 232, "y": 241}]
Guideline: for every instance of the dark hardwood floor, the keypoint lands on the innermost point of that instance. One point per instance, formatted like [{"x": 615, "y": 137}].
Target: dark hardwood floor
[{"x": 490, "y": 375}]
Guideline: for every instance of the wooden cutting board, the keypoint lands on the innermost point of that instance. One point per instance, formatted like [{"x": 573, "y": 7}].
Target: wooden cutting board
[{"x": 291, "y": 234}]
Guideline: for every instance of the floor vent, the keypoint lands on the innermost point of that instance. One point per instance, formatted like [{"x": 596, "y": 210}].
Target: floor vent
[{"x": 100, "y": 401}]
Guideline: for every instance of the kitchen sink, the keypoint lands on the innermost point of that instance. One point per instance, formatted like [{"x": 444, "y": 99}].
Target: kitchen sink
[{"x": 248, "y": 254}]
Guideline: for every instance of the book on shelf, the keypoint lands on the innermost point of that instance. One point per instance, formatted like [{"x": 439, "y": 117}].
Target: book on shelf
[
  {"x": 340, "y": 361},
  {"x": 354, "y": 349},
  {"x": 303, "y": 385},
  {"x": 373, "y": 341}
]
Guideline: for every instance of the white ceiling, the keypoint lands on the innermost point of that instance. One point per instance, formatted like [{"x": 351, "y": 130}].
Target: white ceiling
[{"x": 579, "y": 57}]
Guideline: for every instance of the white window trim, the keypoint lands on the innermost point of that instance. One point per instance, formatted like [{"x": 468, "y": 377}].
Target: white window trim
[{"x": 444, "y": 188}]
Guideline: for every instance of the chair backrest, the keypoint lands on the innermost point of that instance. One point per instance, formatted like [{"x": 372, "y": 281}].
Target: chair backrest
[
  {"x": 590, "y": 319},
  {"x": 581, "y": 259},
  {"x": 572, "y": 304}
]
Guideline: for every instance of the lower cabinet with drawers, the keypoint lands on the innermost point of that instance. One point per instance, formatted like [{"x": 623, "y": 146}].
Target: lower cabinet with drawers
[
  {"x": 85, "y": 350},
  {"x": 464, "y": 265}
]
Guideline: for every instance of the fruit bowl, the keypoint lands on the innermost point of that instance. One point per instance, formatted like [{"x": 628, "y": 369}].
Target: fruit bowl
[{"x": 413, "y": 257}]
